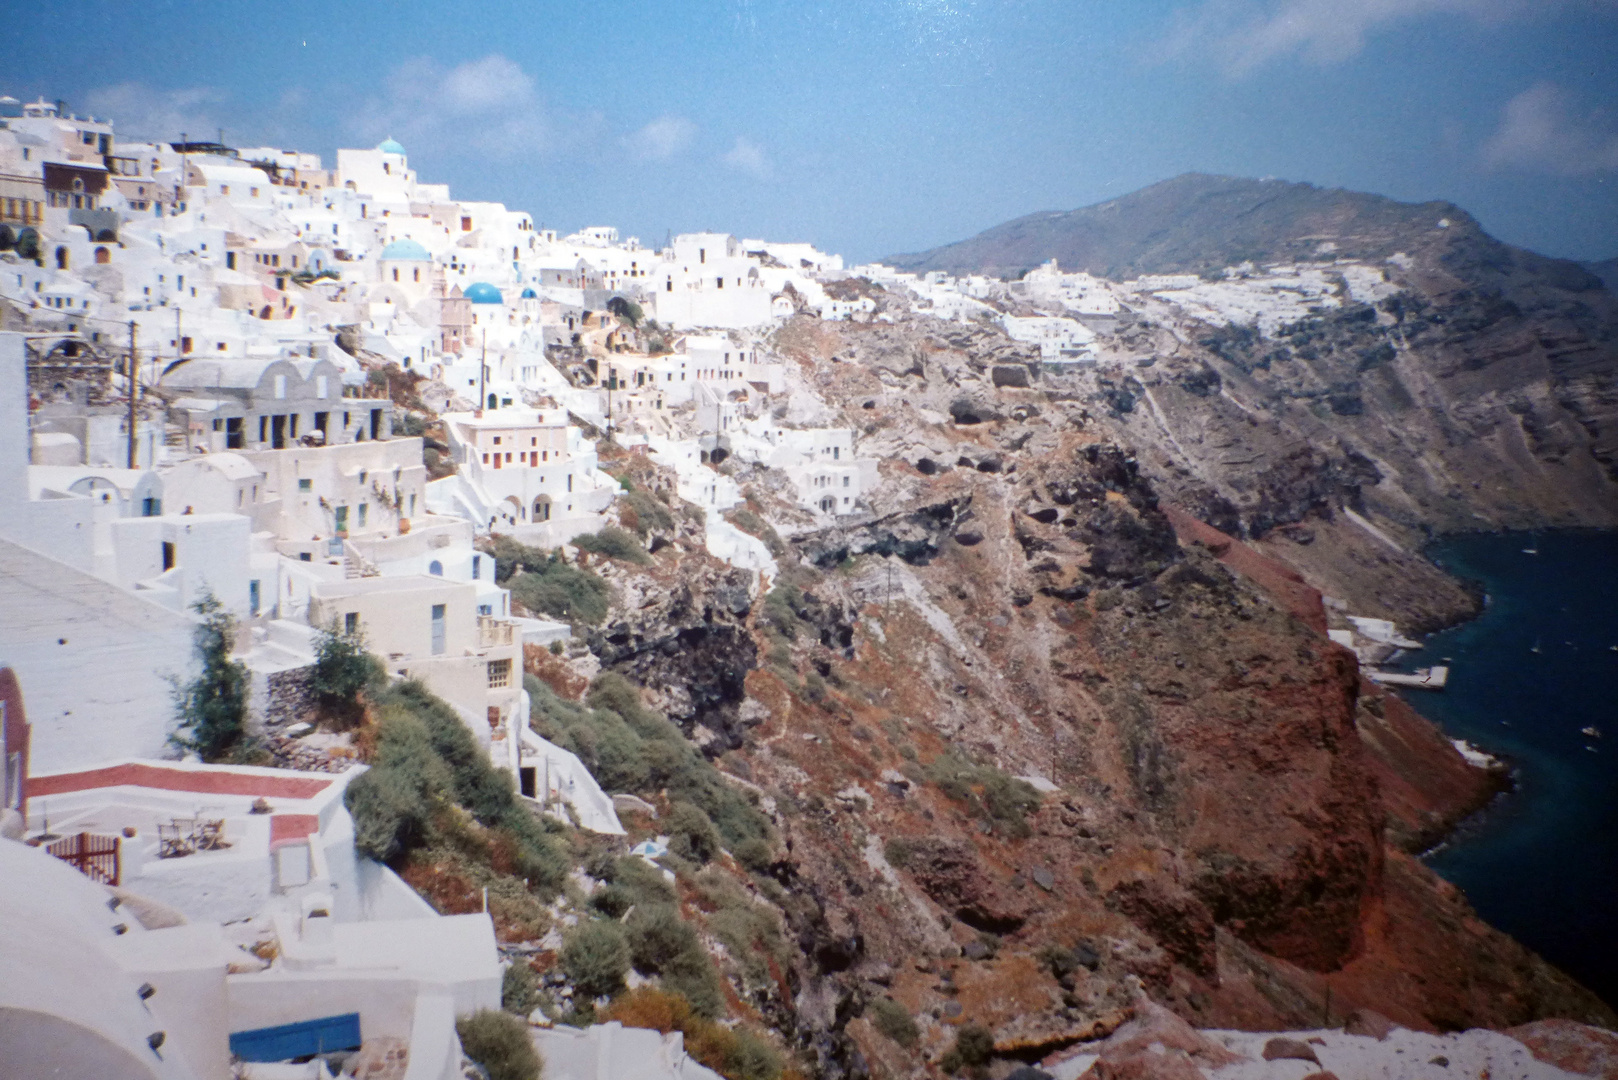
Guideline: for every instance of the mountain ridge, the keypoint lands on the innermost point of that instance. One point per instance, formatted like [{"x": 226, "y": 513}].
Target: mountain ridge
[{"x": 1200, "y": 222}]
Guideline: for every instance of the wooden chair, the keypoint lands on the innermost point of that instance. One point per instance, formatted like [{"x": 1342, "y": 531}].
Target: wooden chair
[
  {"x": 209, "y": 835},
  {"x": 172, "y": 841}
]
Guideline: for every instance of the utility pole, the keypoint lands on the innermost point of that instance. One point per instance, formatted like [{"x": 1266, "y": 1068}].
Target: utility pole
[
  {"x": 129, "y": 371},
  {"x": 483, "y": 372}
]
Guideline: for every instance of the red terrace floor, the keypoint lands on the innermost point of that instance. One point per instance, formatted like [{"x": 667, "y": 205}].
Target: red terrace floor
[
  {"x": 156, "y": 776},
  {"x": 289, "y": 828}
]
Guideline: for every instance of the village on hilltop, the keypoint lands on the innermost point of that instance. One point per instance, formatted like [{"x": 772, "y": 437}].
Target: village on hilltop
[{"x": 240, "y": 388}]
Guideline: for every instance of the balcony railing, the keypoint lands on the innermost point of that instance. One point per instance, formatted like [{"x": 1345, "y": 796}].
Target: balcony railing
[{"x": 493, "y": 631}]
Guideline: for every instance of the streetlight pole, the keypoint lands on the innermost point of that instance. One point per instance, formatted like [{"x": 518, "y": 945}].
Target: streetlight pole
[
  {"x": 483, "y": 372},
  {"x": 133, "y": 388}
]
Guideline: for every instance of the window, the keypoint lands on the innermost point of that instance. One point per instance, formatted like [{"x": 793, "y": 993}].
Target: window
[
  {"x": 499, "y": 674},
  {"x": 351, "y": 622},
  {"x": 477, "y": 565},
  {"x": 435, "y": 568},
  {"x": 363, "y": 508},
  {"x": 466, "y": 224}
]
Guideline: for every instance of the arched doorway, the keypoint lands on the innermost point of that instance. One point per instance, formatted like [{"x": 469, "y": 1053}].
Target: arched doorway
[
  {"x": 435, "y": 568},
  {"x": 542, "y": 508},
  {"x": 103, "y": 256},
  {"x": 494, "y": 401},
  {"x": 61, "y": 258}
]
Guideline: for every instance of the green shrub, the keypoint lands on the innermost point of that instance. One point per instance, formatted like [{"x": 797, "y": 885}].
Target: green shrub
[
  {"x": 752, "y": 1058},
  {"x": 691, "y": 833},
  {"x": 614, "y": 543},
  {"x": 501, "y": 1044},
  {"x": 628, "y": 747},
  {"x": 657, "y": 935},
  {"x": 780, "y": 609},
  {"x": 595, "y": 957},
  {"x": 612, "y": 901},
  {"x": 519, "y": 989},
  {"x": 1001, "y": 800},
  {"x": 752, "y": 936},
  {"x": 425, "y": 758},
  {"x": 342, "y": 671},
  {"x": 973, "y": 1048},
  {"x": 645, "y": 514},
  {"x": 891, "y": 1019},
  {"x": 755, "y": 854},
  {"x": 645, "y": 883},
  {"x": 563, "y": 591},
  {"x": 392, "y": 801},
  {"x": 212, "y": 708}
]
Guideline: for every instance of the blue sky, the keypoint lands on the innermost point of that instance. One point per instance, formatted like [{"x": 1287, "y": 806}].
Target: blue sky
[{"x": 882, "y": 126}]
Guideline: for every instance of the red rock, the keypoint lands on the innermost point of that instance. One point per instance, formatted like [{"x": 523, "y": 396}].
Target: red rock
[
  {"x": 1178, "y": 920},
  {"x": 1146, "y": 1065},
  {"x": 1156, "y": 1043},
  {"x": 1572, "y": 1046},
  {"x": 1368, "y": 1022},
  {"x": 1281, "y": 1048}
]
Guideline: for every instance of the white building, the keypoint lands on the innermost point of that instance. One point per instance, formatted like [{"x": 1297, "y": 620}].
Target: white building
[
  {"x": 523, "y": 471},
  {"x": 705, "y": 280},
  {"x": 1060, "y": 340}
]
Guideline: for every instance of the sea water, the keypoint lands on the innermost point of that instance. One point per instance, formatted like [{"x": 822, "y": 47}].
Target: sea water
[{"x": 1525, "y": 678}]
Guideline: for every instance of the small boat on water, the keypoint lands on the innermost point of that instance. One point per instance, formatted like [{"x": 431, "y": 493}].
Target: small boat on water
[
  {"x": 1592, "y": 731},
  {"x": 1535, "y": 649}
]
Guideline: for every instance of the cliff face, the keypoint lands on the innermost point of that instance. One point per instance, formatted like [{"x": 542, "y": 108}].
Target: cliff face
[
  {"x": 1215, "y": 807},
  {"x": 1478, "y": 390}
]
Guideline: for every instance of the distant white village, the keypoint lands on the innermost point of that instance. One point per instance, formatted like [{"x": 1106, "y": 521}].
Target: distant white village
[{"x": 195, "y": 343}]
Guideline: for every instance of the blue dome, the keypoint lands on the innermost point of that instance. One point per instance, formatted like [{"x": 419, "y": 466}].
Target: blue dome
[
  {"x": 406, "y": 249},
  {"x": 390, "y": 147},
  {"x": 529, "y": 294},
  {"x": 482, "y": 292}
]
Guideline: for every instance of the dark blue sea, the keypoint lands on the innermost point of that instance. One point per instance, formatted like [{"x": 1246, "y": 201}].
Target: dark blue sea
[{"x": 1542, "y": 862}]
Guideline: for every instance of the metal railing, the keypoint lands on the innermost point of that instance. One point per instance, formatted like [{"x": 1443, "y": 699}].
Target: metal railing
[{"x": 96, "y": 857}]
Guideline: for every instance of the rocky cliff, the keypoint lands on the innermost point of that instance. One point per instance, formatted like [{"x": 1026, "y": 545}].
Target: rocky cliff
[
  {"x": 1054, "y": 727},
  {"x": 1035, "y": 737}
]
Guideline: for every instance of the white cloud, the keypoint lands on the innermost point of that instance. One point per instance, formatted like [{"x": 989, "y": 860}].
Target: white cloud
[
  {"x": 662, "y": 138},
  {"x": 749, "y": 157},
  {"x": 489, "y": 105},
  {"x": 139, "y": 111},
  {"x": 1241, "y": 36},
  {"x": 1542, "y": 129}
]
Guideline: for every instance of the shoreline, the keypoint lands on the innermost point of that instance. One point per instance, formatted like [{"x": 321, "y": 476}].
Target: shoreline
[{"x": 1532, "y": 854}]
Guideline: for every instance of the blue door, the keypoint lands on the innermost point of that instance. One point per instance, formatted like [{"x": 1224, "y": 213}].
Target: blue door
[{"x": 298, "y": 1040}]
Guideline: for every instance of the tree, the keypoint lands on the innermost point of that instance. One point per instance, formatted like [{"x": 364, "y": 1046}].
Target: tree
[
  {"x": 212, "y": 708},
  {"x": 343, "y": 670},
  {"x": 626, "y": 309}
]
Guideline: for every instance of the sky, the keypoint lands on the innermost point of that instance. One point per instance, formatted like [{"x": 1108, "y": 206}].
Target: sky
[{"x": 873, "y": 127}]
